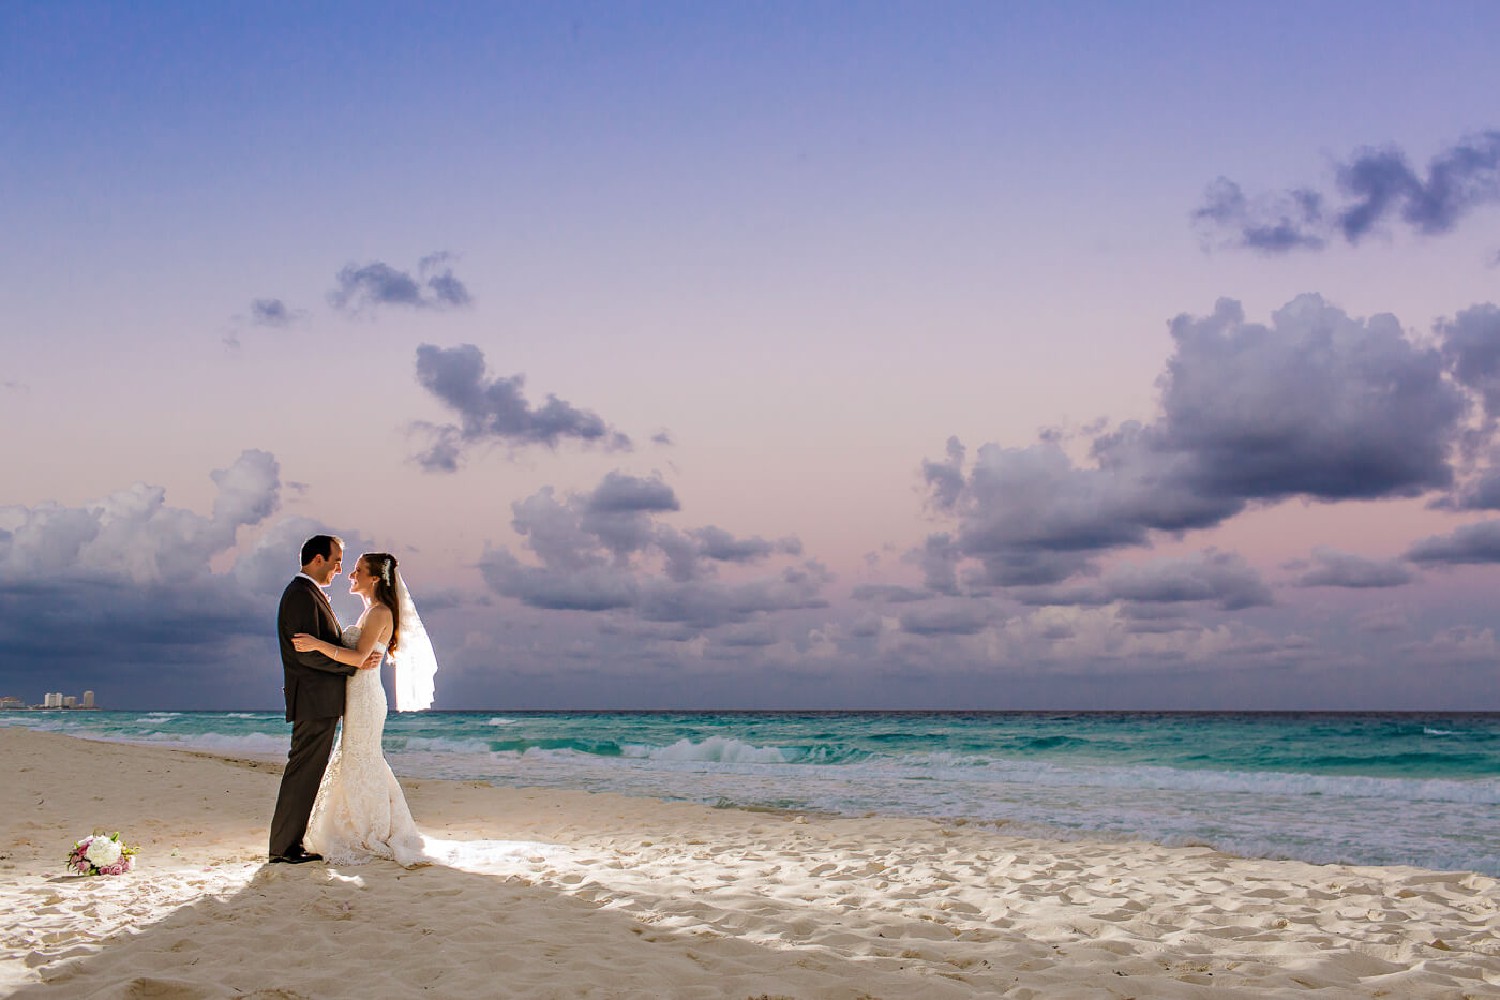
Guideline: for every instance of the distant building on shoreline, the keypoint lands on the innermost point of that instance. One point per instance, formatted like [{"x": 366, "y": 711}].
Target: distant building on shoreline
[{"x": 50, "y": 700}]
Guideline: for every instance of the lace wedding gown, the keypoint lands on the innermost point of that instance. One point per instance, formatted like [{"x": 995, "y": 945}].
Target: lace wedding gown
[{"x": 360, "y": 814}]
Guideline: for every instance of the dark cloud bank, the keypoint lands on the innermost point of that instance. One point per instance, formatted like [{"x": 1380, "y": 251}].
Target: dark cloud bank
[
  {"x": 1377, "y": 189},
  {"x": 122, "y": 586},
  {"x": 118, "y": 595}
]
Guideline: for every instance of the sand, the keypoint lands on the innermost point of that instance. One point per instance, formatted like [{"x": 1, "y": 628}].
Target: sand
[{"x": 582, "y": 895}]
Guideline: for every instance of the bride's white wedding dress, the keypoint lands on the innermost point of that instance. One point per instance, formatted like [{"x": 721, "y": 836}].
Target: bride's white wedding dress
[{"x": 360, "y": 814}]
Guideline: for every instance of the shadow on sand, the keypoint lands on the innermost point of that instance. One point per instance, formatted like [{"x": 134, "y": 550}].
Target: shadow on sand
[{"x": 311, "y": 932}]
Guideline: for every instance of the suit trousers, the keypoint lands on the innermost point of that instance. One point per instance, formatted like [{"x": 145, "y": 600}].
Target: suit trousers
[{"x": 312, "y": 743}]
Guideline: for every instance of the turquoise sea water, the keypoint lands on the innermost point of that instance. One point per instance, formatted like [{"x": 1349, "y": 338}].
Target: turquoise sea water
[{"x": 1357, "y": 788}]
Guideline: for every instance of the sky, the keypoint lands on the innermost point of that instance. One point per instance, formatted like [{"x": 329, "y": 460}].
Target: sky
[{"x": 759, "y": 355}]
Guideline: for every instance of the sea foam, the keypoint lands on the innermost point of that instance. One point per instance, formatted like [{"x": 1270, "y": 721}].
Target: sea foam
[{"x": 715, "y": 749}]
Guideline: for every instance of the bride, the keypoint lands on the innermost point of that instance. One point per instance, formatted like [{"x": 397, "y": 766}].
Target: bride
[{"x": 360, "y": 813}]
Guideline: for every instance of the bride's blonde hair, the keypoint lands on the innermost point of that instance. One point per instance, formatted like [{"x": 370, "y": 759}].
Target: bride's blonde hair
[{"x": 382, "y": 566}]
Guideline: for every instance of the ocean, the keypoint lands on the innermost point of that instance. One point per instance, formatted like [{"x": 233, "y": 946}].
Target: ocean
[{"x": 1369, "y": 789}]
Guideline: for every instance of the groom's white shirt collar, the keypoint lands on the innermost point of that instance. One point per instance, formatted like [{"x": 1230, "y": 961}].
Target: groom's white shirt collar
[{"x": 310, "y": 580}]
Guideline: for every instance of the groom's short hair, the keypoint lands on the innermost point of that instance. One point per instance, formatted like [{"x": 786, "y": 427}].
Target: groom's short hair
[{"x": 320, "y": 545}]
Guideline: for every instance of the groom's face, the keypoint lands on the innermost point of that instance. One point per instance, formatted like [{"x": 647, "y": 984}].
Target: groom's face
[{"x": 329, "y": 568}]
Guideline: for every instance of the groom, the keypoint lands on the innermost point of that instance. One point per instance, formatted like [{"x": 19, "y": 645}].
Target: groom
[{"x": 314, "y": 688}]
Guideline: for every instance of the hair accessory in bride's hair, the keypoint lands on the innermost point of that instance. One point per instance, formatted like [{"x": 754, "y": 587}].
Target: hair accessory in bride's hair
[{"x": 385, "y": 569}]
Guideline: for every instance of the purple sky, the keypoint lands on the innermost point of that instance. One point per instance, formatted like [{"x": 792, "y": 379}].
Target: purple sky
[{"x": 759, "y": 356}]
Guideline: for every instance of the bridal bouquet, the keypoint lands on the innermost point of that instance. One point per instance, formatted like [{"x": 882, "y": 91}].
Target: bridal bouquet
[{"x": 102, "y": 854}]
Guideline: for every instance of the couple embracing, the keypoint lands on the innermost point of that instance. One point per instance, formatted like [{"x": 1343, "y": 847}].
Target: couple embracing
[{"x": 339, "y": 800}]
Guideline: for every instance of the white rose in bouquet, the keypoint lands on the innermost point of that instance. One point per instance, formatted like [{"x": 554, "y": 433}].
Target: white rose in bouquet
[{"x": 103, "y": 851}]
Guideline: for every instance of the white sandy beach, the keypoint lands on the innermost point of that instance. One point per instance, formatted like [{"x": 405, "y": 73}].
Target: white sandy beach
[{"x": 609, "y": 896}]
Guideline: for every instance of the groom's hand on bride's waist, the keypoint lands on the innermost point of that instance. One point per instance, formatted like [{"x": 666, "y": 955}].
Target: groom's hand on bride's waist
[{"x": 373, "y": 660}]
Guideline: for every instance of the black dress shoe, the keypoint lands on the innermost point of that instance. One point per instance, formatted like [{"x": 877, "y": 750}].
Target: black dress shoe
[{"x": 295, "y": 858}]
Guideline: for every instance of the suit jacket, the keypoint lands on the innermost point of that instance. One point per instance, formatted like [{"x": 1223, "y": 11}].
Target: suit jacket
[{"x": 313, "y": 683}]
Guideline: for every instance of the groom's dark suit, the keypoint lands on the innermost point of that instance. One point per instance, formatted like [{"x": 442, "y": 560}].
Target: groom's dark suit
[{"x": 314, "y": 688}]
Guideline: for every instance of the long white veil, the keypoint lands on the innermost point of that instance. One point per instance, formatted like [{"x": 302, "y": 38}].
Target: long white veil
[{"x": 414, "y": 661}]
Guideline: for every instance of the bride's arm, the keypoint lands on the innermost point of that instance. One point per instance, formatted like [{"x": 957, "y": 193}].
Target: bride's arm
[{"x": 376, "y": 628}]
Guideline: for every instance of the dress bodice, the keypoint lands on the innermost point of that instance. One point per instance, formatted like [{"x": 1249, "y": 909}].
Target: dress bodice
[{"x": 350, "y": 639}]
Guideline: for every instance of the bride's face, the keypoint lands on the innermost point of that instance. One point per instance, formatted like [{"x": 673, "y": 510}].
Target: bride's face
[{"x": 362, "y": 581}]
